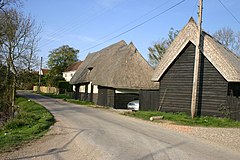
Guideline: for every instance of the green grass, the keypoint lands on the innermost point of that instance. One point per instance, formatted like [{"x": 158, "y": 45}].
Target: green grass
[
  {"x": 79, "y": 102},
  {"x": 32, "y": 122},
  {"x": 184, "y": 119},
  {"x": 59, "y": 96},
  {"x": 67, "y": 99}
]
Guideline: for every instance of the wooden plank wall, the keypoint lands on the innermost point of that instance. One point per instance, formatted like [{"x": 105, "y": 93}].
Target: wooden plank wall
[
  {"x": 149, "y": 100},
  {"x": 233, "y": 100},
  {"x": 91, "y": 97},
  {"x": 234, "y": 105},
  {"x": 102, "y": 96},
  {"x": 212, "y": 89},
  {"x": 106, "y": 96},
  {"x": 176, "y": 84},
  {"x": 95, "y": 98},
  {"x": 110, "y": 97}
]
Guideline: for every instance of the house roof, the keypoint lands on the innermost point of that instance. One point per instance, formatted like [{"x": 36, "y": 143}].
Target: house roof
[
  {"x": 118, "y": 66},
  {"x": 225, "y": 61},
  {"x": 73, "y": 67},
  {"x": 44, "y": 71}
]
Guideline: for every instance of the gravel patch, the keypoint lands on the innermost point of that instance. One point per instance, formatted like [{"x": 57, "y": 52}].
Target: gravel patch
[{"x": 225, "y": 137}]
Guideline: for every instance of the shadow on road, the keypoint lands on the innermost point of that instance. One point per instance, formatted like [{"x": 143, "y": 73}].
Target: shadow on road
[
  {"x": 55, "y": 151},
  {"x": 163, "y": 150}
]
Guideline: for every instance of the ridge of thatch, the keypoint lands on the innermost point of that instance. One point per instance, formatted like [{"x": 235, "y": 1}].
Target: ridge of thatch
[
  {"x": 117, "y": 66},
  {"x": 226, "y": 62},
  {"x": 81, "y": 75},
  {"x": 73, "y": 67}
]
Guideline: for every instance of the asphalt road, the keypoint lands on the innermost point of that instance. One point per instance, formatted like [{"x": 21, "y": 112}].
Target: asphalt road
[{"x": 89, "y": 133}]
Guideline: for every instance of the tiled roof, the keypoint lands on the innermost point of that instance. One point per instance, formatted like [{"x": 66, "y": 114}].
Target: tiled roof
[{"x": 73, "y": 67}]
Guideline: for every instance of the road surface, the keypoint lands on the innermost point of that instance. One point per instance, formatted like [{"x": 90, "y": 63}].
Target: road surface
[{"x": 88, "y": 133}]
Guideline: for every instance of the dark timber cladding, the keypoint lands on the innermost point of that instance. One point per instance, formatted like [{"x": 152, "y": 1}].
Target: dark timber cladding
[
  {"x": 212, "y": 89},
  {"x": 106, "y": 96},
  {"x": 176, "y": 83},
  {"x": 218, "y": 79},
  {"x": 149, "y": 100},
  {"x": 234, "y": 104}
]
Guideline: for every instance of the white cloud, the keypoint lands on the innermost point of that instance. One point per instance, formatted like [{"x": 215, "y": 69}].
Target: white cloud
[
  {"x": 85, "y": 38},
  {"x": 51, "y": 38},
  {"x": 108, "y": 3}
]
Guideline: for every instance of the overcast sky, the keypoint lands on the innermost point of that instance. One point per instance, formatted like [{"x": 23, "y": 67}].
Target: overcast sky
[{"x": 84, "y": 24}]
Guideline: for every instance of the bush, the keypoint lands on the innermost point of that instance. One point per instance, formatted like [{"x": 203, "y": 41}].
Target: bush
[
  {"x": 52, "y": 80},
  {"x": 64, "y": 86}
]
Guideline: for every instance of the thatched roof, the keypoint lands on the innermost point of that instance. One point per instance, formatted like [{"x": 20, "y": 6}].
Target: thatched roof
[
  {"x": 226, "y": 62},
  {"x": 73, "y": 67},
  {"x": 117, "y": 66}
]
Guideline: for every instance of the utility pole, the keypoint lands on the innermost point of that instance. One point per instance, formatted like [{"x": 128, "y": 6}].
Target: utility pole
[
  {"x": 196, "y": 61},
  {"x": 39, "y": 76}
]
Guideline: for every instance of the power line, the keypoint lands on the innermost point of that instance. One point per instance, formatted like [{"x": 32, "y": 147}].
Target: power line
[
  {"x": 195, "y": 5},
  {"x": 138, "y": 18},
  {"x": 135, "y": 26},
  {"x": 73, "y": 26},
  {"x": 229, "y": 12}
]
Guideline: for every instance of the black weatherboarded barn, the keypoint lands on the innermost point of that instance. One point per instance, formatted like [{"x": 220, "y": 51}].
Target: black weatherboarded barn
[{"x": 218, "y": 82}]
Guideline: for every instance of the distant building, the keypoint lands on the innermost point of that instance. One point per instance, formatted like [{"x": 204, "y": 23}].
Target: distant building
[
  {"x": 44, "y": 71},
  {"x": 70, "y": 71}
]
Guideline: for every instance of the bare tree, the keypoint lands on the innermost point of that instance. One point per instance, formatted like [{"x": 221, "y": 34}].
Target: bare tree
[
  {"x": 7, "y": 3},
  {"x": 18, "y": 43},
  {"x": 229, "y": 39},
  {"x": 6, "y": 75}
]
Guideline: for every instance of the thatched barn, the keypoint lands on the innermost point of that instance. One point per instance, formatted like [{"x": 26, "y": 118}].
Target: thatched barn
[
  {"x": 218, "y": 82},
  {"x": 113, "y": 76}
]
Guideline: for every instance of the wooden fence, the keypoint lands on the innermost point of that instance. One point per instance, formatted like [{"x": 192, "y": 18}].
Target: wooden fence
[
  {"x": 45, "y": 89},
  {"x": 234, "y": 104}
]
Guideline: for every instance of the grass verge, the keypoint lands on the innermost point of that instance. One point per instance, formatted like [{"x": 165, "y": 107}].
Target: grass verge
[
  {"x": 31, "y": 122},
  {"x": 79, "y": 102},
  {"x": 184, "y": 119},
  {"x": 67, "y": 99},
  {"x": 59, "y": 96}
]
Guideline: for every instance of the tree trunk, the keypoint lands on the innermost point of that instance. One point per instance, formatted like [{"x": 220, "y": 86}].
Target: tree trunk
[
  {"x": 13, "y": 95},
  {"x": 14, "y": 81}
]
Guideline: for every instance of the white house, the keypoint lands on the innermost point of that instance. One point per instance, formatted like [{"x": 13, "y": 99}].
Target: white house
[
  {"x": 70, "y": 71},
  {"x": 43, "y": 71}
]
